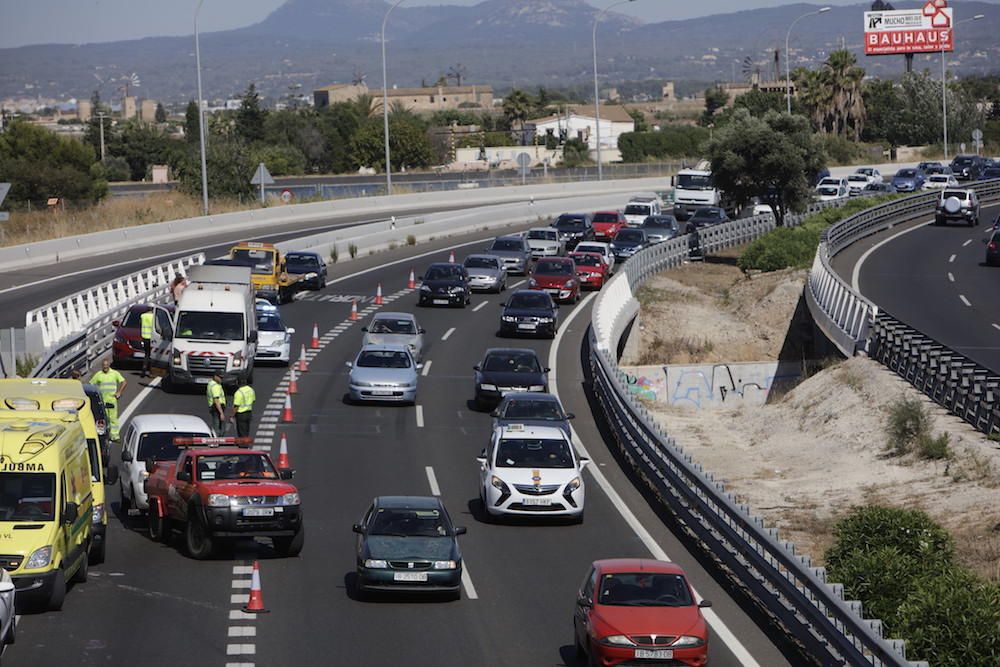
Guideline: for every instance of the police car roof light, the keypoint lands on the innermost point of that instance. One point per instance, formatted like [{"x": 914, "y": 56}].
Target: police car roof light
[{"x": 206, "y": 441}]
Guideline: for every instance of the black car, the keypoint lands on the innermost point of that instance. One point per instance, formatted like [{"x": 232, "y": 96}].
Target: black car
[
  {"x": 303, "y": 263},
  {"x": 532, "y": 409},
  {"x": 884, "y": 187},
  {"x": 506, "y": 370},
  {"x": 968, "y": 167},
  {"x": 445, "y": 284},
  {"x": 529, "y": 312},
  {"x": 931, "y": 167},
  {"x": 661, "y": 228},
  {"x": 993, "y": 246},
  {"x": 991, "y": 173},
  {"x": 627, "y": 242},
  {"x": 408, "y": 544},
  {"x": 574, "y": 228},
  {"x": 101, "y": 420},
  {"x": 707, "y": 216}
]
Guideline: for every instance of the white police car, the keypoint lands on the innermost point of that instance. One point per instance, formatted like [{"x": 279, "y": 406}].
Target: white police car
[
  {"x": 531, "y": 471},
  {"x": 274, "y": 339}
]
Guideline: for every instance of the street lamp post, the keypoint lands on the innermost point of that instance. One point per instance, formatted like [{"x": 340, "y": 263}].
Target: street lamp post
[
  {"x": 100, "y": 119},
  {"x": 944, "y": 85},
  {"x": 788, "y": 60},
  {"x": 385, "y": 104},
  {"x": 597, "y": 96},
  {"x": 201, "y": 114}
]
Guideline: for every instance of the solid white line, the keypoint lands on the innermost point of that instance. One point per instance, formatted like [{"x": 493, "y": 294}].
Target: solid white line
[
  {"x": 719, "y": 628},
  {"x": 479, "y": 307},
  {"x": 856, "y": 274},
  {"x": 967, "y": 243},
  {"x": 951, "y": 278},
  {"x": 951, "y": 259},
  {"x": 135, "y": 402},
  {"x": 420, "y": 416},
  {"x": 470, "y": 590},
  {"x": 432, "y": 480},
  {"x": 427, "y": 367},
  {"x": 448, "y": 333},
  {"x": 964, "y": 300},
  {"x": 517, "y": 284}
]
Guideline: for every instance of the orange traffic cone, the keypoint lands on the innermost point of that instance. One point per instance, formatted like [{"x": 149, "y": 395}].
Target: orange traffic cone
[
  {"x": 286, "y": 414},
  {"x": 255, "y": 605},
  {"x": 283, "y": 461},
  {"x": 293, "y": 382},
  {"x": 412, "y": 282},
  {"x": 378, "y": 295},
  {"x": 314, "y": 343},
  {"x": 451, "y": 257},
  {"x": 354, "y": 310},
  {"x": 303, "y": 365}
]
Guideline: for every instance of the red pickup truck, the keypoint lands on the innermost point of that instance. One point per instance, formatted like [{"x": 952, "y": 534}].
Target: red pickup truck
[{"x": 216, "y": 490}]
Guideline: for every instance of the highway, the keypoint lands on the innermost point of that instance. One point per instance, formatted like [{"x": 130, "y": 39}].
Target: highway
[
  {"x": 152, "y": 604},
  {"x": 935, "y": 280}
]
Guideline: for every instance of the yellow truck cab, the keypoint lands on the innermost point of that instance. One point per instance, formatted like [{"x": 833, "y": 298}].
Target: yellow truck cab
[
  {"x": 55, "y": 395},
  {"x": 45, "y": 504},
  {"x": 267, "y": 267}
]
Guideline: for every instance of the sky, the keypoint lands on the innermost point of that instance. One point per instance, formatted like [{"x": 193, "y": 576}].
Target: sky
[{"x": 86, "y": 21}]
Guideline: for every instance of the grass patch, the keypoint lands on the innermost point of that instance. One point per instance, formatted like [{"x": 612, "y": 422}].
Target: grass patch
[
  {"x": 334, "y": 253},
  {"x": 909, "y": 430},
  {"x": 674, "y": 350},
  {"x": 352, "y": 249},
  {"x": 411, "y": 239},
  {"x": 25, "y": 363}
]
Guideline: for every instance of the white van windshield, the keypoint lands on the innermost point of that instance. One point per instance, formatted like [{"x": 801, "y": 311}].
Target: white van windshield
[{"x": 210, "y": 326}]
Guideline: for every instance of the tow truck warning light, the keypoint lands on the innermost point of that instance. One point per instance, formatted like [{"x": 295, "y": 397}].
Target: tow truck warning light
[{"x": 205, "y": 441}]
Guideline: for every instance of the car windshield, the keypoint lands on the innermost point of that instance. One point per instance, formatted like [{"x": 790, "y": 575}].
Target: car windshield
[
  {"x": 160, "y": 446},
  {"x": 442, "y": 273},
  {"x": 262, "y": 261},
  {"x": 587, "y": 247},
  {"x": 830, "y": 181},
  {"x": 383, "y": 359},
  {"x": 482, "y": 263},
  {"x": 507, "y": 244},
  {"x": 542, "y": 234},
  {"x": 550, "y": 268},
  {"x": 391, "y": 325},
  {"x": 512, "y": 362},
  {"x": 570, "y": 221},
  {"x": 269, "y": 322},
  {"x": 235, "y": 466},
  {"x": 644, "y": 589},
  {"x": 210, "y": 325},
  {"x": 629, "y": 235},
  {"x": 637, "y": 209},
  {"x": 527, "y": 408},
  {"x": 957, "y": 194},
  {"x": 940, "y": 178},
  {"x": 962, "y": 161},
  {"x": 605, "y": 217},
  {"x": 534, "y": 453},
  {"x": 530, "y": 301},
  {"x": 27, "y": 496},
  {"x": 906, "y": 173},
  {"x": 132, "y": 320},
  {"x": 864, "y": 171},
  {"x": 303, "y": 261},
  {"x": 828, "y": 190},
  {"x": 858, "y": 178},
  {"x": 406, "y": 522},
  {"x": 694, "y": 182},
  {"x": 586, "y": 260}
]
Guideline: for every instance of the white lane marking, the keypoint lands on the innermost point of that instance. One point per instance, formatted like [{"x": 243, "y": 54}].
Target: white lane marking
[
  {"x": 241, "y": 649},
  {"x": 470, "y": 590},
  {"x": 127, "y": 412},
  {"x": 432, "y": 480},
  {"x": 479, "y": 307},
  {"x": 951, "y": 259},
  {"x": 856, "y": 274},
  {"x": 240, "y": 615},
  {"x": 241, "y": 584},
  {"x": 420, "y": 416},
  {"x": 239, "y": 664},
  {"x": 448, "y": 333},
  {"x": 951, "y": 277},
  {"x": 967, "y": 243},
  {"x": 720, "y": 629},
  {"x": 517, "y": 284},
  {"x": 996, "y": 326},
  {"x": 964, "y": 300},
  {"x": 427, "y": 367},
  {"x": 239, "y": 598},
  {"x": 242, "y": 631}
]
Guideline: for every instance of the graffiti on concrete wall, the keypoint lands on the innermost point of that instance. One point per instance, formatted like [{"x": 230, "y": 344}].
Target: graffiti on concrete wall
[{"x": 711, "y": 385}]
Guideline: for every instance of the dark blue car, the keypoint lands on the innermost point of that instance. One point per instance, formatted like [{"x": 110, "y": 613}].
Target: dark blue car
[{"x": 908, "y": 180}]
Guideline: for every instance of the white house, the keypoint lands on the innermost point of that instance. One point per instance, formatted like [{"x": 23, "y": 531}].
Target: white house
[{"x": 579, "y": 123}]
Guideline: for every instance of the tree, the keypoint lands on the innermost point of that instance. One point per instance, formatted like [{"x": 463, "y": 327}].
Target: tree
[
  {"x": 40, "y": 164},
  {"x": 250, "y": 116},
  {"x": 832, "y": 96},
  {"x": 230, "y": 167},
  {"x": 759, "y": 102},
  {"x": 640, "y": 120},
  {"x": 773, "y": 158},
  {"x": 280, "y": 159},
  {"x": 575, "y": 153},
  {"x": 191, "y": 123},
  {"x": 516, "y": 107},
  {"x": 407, "y": 141},
  {"x": 716, "y": 98},
  {"x": 161, "y": 113},
  {"x": 142, "y": 146}
]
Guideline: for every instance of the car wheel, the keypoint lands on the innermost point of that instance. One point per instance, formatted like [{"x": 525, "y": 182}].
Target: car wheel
[
  {"x": 99, "y": 549},
  {"x": 159, "y": 527},
  {"x": 58, "y": 594},
  {"x": 80, "y": 576},
  {"x": 291, "y": 546},
  {"x": 124, "y": 504},
  {"x": 198, "y": 541}
]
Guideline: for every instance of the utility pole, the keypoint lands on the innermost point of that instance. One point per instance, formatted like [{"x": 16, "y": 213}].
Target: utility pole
[{"x": 100, "y": 117}]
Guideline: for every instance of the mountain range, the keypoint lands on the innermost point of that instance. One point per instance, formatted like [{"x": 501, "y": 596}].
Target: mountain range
[{"x": 504, "y": 43}]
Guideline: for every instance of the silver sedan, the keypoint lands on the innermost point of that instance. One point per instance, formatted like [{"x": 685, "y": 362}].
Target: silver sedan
[
  {"x": 383, "y": 373},
  {"x": 396, "y": 329},
  {"x": 486, "y": 272}
]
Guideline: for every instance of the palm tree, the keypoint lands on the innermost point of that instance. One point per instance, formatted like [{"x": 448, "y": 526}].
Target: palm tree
[
  {"x": 516, "y": 107},
  {"x": 846, "y": 113},
  {"x": 367, "y": 106}
]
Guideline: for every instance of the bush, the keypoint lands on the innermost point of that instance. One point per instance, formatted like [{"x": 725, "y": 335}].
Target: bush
[
  {"x": 910, "y": 532},
  {"x": 411, "y": 239},
  {"x": 670, "y": 141},
  {"x": 882, "y": 578},
  {"x": 934, "y": 447},
  {"x": 909, "y": 423},
  {"x": 841, "y": 150},
  {"x": 116, "y": 169},
  {"x": 575, "y": 153},
  {"x": 334, "y": 253},
  {"x": 353, "y": 250}
]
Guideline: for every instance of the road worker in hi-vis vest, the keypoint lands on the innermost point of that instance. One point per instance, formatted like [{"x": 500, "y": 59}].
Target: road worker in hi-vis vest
[
  {"x": 111, "y": 384},
  {"x": 146, "y": 333}
]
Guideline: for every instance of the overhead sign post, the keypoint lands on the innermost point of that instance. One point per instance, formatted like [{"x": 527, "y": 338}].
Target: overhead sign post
[
  {"x": 262, "y": 177},
  {"x": 903, "y": 31}
]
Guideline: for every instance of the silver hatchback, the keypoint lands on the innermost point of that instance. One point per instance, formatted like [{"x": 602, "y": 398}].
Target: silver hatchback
[
  {"x": 486, "y": 272},
  {"x": 396, "y": 329},
  {"x": 386, "y": 373}
]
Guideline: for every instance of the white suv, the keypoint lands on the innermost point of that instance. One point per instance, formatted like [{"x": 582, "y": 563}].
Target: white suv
[
  {"x": 152, "y": 437},
  {"x": 957, "y": 205}
]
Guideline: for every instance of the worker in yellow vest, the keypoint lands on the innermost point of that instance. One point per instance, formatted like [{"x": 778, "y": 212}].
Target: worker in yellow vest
[
  {"x": 111, "y": 384},
  {"x": 146, "y": 333},
  {"x": 243, "y": 401},
  {"x": 216, "y": 405}
]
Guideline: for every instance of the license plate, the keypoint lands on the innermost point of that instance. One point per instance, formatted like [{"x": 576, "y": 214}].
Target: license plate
[
  {"x": 659, "y": 654},
  {"x": 258, "y": 511},
  {"x": 409, "y": 576},
  {"x": 382, "y": 392},
  {"x": 538, "y": 502},
  {"x": 138, "y": 355},
  {"x": 440, "y": 302},
  {"x": 526, "y": 326},
  {"x": 201, "y": 380}
]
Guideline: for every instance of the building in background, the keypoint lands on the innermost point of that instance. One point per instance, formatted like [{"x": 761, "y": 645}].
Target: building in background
[
  {"x": 338, "y": 92},
  {"x": 430, "y": 98},
  {"x": 147, "y": 111},
  {"x": 129, "y": 109},
  {"x": 84, "y": 110},
  {"x": 580, "y": 123}
]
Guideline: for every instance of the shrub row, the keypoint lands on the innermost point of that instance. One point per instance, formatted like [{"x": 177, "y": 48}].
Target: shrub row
[{"x": 670, "y": 141}]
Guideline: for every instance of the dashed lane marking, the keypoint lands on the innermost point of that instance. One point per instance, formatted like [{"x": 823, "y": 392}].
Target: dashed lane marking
[
  {"x": 996, "y": 326},
  {"x": 951, "y": 259},
  {"x": 432, "y": 480},
  {"x": 420, "y": 416},
  {"x": 241, "y": 649},
  {"x": 479, "y": 307},
  {"x": 448, "y": 333},
  {"x": 242, "y": 631},
  {"x": 427, "y": 368},
  {"x": 964, "y": 300},
  {"x": 951, "y": 277},
  {"x": 518, "y": 283},
  {"x": 967, "y": 243}
]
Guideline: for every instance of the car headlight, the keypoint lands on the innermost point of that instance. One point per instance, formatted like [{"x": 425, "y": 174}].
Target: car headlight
[
  {"x": 218, "y": 500},
  {"x": 545, "y": 319},
  {"x": 376, "y": 564},
  {"x": 359, "y": 383},
  {"x": 568, "y": 284},
  {"x": 39, "y": 558},
  {"x": 456, "y": 289},
  {"x": 121, "y": 339},
  {"x": 237, "y": 362},
  {"x": 617, "y": 640},
  {"x": 499, "y": 484},
  {"x": 574, "y": 484},
  {"x": 687, "y": 641},
  {"x": 97, "y": 516},
  {"x": 290, "y": 499},
  {"x": 445, "y": 565},
  {"x": 177, "y": 361},
  {"x": 488, "y": 387},
  {"x": 425, "y": 288},
  {"x": 536, "y": 387}
]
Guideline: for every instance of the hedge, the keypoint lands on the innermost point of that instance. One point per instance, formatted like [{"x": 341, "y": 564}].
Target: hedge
[{"x": 670, "y": 141}]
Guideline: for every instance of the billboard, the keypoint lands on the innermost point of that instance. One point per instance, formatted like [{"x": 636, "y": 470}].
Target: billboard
[{"x": 924, "y": 30}]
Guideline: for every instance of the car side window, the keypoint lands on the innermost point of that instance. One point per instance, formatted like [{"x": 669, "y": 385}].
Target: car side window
[
  {"x": 163, "y": 323},
  {"x": 589, "y": 583},
  {"x": 188, "y": 467}
]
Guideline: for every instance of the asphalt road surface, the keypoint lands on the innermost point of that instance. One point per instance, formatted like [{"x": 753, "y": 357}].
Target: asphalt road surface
[{"x": 151, "y": 604}]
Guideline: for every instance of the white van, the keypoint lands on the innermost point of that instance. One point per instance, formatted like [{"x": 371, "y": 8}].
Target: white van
[
  {"x": 641, "y": 207},
  {"x": 151, "y": 437}
]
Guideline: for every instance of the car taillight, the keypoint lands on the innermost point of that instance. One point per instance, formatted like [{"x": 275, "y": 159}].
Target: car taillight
[{"x": 992, "y": 245}]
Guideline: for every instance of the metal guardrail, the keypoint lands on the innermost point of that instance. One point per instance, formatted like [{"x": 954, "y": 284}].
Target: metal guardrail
[{"x": 811, "y": 610}]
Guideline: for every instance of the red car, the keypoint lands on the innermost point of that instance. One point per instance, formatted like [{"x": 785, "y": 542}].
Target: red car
[
  {"x": 557, "y": 276},
  {"x": 607, "y": 224},
  {"x": 633, "y": 610},
  {"x": 127, "y": 346},
  {"x": 590, "y": 269}
]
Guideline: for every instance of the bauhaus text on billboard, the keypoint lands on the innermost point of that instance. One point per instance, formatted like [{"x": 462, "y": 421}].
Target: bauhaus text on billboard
[{"x": 924, "y": 30}]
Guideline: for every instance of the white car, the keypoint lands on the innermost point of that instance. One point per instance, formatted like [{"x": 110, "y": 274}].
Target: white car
[
  {"x": 871, "y": 173},
  {"x": 544, "y": 242},
  {"x": 7, "y": 617},
  {"x": 856, "y": 184},
  {"x": 642, "y": 206},
  {"x": 274, "y": 339},
  {"x": 602, "y": 249},
  {"x": 531, "y": 471},
  {"x": 152, "y": 437},
  {"x": 935, "y": 181},
  {"x": 831, "y": 187}
]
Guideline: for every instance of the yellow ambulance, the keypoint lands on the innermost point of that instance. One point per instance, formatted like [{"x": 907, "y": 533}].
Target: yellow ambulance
[
  {"x": 45, "y": 503},
  {"x": 49, "y": 394}
]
